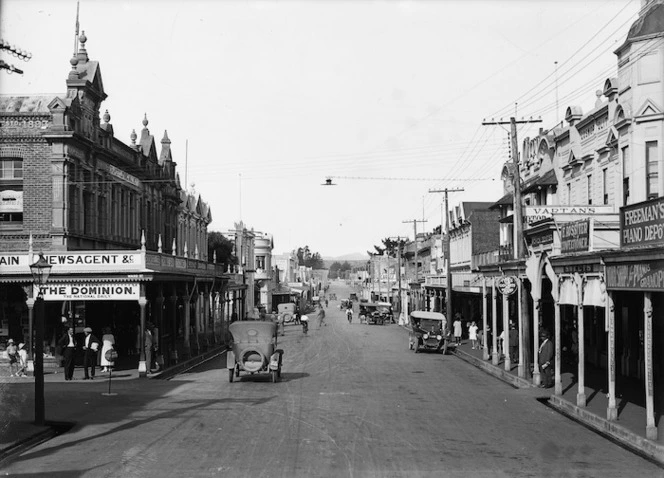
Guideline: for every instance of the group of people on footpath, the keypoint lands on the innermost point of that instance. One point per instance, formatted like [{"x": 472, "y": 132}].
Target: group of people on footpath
[
  {"x": 91, "y": 347},
  {"x": 18, "y": 359},
  {"x": 544, "y": 355}
]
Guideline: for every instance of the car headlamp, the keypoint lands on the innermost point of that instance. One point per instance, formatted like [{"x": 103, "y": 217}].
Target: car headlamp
[
  {"x": 425, "y": 336},
  {"x": 439, "y": 337}
]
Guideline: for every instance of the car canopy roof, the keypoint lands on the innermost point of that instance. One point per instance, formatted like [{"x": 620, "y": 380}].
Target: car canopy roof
[{"x": 423, "y": 314}]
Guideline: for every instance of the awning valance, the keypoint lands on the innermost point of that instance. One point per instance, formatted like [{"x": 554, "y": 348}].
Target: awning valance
[
  {"x": 568, "y": 292},
  {"x": 592, "y": 294}
]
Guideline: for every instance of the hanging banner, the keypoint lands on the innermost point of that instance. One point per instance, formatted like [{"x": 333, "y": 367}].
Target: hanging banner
[
  {"x": 642, "y": 224},
  {"x": 575, "y": 236},
  {"x": 95, "y": 291}
]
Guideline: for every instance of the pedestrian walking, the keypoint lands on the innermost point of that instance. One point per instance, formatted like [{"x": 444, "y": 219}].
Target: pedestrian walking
[
  {"x": 68, "y": 346},
  {"x": 108, "y": 343},
  {"x": 320, "y": 316},
  {"x": 458, "y": 329},
  {"x": 545, "y": 357},
  {"x": 22, "y": 360},
  {"x": 472, "y": 335},
  {"x": 90, "y": 349},
  {"x": 12, "y": 354}
]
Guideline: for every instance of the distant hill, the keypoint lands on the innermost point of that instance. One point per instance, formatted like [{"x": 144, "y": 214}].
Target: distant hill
[{"x": 356, "y": 256}]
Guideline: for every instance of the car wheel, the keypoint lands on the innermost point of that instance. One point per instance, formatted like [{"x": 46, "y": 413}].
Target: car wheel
[{"x": 231, "y": 373}]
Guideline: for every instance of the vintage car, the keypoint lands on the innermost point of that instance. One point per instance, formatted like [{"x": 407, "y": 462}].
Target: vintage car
[
  {"x": 428, "y": 332},
  {"x": 286, "y": 312},
  {"x": 375, "y": 313},
  {"x": 254, "y": 349}
]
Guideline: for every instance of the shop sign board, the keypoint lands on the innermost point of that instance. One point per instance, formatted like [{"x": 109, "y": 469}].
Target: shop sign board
[
  {"x": 644, "y": 275},
  {"x": 541, "y": 239},
  {"x": 506, "y": 285},
  {"x": 575, "y": 236},
  {"x": 91, "y": 291},
  {"x": 642, "y": 224},
  {"x": 11, "y": 201},
  {"x": 537, "y": 213},
  {"x": 75, "y": 262}
]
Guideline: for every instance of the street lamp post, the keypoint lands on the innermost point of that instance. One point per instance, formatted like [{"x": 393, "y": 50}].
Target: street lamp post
[{"x": 40, "y": 271}]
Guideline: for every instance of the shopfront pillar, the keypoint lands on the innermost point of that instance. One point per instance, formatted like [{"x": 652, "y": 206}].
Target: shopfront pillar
[
  {"x": 173, "y": 325},
  {"x": 519, "y": 292},
  {"x": 31, "y": 317},
  {"x": 651, "y": 428},
  {"x": 494, "y": 323},
  {"x": 609, "y": 311},
  {"x": 506, "y": 333},
  {"x": 485, "y": 321},
  {"x": 142, "y": 302},
  {"x": 580, "y": 327},
  {"x": 187, "y": 323},
  {"x": 558, "y": 390},
  {"x": 537, "y": 379}
]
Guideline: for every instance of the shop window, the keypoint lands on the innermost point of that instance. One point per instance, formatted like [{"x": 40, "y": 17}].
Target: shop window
[
  {"x": 605, "y": 186},
  {"x": 652, "y": 177},
  {"x": 11, "y": 168}
]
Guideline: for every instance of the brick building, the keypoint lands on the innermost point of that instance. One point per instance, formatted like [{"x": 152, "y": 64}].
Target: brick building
[{"x": 103, "y": 212}]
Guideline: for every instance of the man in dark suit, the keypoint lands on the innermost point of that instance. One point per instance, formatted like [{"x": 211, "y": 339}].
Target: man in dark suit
[
  {"x": 545, "y": 359},
  {"x": 90, "y": 348},
  {"x": 68, "y": 345}
]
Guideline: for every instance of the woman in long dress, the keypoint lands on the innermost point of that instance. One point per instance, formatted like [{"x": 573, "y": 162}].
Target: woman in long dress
[{"x": 108, "y": 341}]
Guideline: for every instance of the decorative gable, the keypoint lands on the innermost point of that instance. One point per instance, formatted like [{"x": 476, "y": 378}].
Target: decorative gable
[{"x": 649, "y": 111}]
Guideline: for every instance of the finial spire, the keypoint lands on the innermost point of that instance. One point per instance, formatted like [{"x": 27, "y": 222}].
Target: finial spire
[{"x": 76, "y": 33}]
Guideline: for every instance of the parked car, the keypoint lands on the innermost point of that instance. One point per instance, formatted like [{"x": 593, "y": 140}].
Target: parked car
[
  {"x": 428, "y": 332},
  {"x": 375, "y": 313}
]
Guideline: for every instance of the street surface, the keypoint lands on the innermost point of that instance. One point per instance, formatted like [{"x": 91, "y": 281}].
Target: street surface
[{"x": 353, "y": 402}]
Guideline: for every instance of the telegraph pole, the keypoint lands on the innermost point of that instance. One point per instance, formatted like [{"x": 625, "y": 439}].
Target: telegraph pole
[
  {"x": 417, "y": 269},
  {"x": 398, "y": 239},
  {"x": 524, "y": 331},
  {"x": 518, "y": 207},
  {"x": 446, "y": 251}
]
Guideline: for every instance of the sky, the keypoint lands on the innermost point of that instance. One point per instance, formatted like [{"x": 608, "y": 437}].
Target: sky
[{"x": 265, "y": 100}]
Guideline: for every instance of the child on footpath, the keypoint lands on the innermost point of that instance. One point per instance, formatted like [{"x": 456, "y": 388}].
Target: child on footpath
[{"x": 22, "y": 361}]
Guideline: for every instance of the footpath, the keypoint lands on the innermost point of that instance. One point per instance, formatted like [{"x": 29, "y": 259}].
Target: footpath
[
  {"x": 18, "y": 433},
  {"x": 628, "y": 431}
]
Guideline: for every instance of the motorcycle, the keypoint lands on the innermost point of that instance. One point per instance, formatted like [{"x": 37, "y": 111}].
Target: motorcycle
[{"x": 305, "y": 324}]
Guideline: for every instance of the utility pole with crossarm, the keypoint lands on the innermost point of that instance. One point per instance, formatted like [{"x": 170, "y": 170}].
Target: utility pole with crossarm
[{"x": 446, "y": 254}]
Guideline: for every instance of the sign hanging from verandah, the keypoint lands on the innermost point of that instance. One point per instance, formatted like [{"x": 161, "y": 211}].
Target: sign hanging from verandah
[
  {"x": 575, "y": 236},
  {"x": 91, "y": 291},
  {"x": 643, "y": 275},
  {"x": 642, "y": 224}
]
